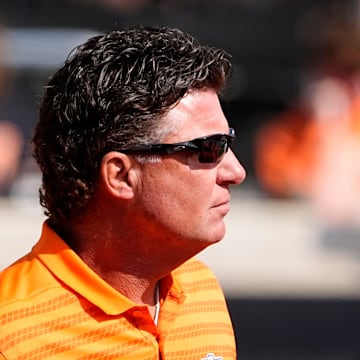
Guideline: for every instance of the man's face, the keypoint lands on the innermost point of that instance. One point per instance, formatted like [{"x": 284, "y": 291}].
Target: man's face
[{"x": 182, "y": 199}]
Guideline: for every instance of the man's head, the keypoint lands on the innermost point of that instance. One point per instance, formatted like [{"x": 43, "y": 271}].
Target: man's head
[{"x": 112, "y": 93}]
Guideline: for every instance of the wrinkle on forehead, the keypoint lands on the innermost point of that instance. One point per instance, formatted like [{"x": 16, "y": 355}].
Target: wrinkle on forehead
[{"x": 197, "y": 114}]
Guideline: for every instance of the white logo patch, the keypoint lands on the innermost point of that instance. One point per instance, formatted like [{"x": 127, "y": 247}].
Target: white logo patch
[{"x": 211, "y": 356}]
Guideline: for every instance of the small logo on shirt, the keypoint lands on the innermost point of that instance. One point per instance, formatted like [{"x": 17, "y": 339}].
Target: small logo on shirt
[{"x": 211, "y": 356}]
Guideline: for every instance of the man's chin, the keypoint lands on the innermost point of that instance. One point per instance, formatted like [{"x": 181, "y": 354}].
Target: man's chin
[{"x": 215, "y": 237}]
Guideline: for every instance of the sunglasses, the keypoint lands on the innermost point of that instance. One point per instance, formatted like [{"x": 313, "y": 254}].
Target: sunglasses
[{"x": 210, "y": 148}]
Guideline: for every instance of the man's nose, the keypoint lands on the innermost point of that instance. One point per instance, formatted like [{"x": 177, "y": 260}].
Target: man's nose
[{"x": 231, "y": 171}]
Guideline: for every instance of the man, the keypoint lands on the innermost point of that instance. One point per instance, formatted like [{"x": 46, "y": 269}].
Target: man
[{"x": 135, "y": 155}]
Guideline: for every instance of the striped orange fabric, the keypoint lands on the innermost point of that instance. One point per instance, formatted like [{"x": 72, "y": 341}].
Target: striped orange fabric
[{"x": 53, "y": 305}]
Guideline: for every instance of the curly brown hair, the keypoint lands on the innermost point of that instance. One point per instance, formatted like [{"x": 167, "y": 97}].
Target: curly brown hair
[{"x": 110, "y": 94}]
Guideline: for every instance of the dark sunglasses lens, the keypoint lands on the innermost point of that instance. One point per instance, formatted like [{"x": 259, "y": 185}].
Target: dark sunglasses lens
[{"x": 212, "y": 150}]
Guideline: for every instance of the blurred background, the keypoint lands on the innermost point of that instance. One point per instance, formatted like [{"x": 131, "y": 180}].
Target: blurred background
[{"x": 290, "y": 262}]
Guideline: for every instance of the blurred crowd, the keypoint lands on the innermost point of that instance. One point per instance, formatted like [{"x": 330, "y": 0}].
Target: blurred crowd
[
  {"x": 312, "y": 149},
  {"x": 11, "y": 138}
]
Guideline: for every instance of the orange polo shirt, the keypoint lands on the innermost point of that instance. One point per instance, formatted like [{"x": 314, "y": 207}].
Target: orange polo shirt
[{"x": 52, "y": 305}]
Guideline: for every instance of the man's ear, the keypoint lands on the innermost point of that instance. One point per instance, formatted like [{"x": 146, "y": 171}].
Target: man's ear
[{"x": 118, "y": 174}]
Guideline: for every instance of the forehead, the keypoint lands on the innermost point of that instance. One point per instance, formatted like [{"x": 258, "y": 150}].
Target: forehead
[{"x": 198, "y": 114}]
